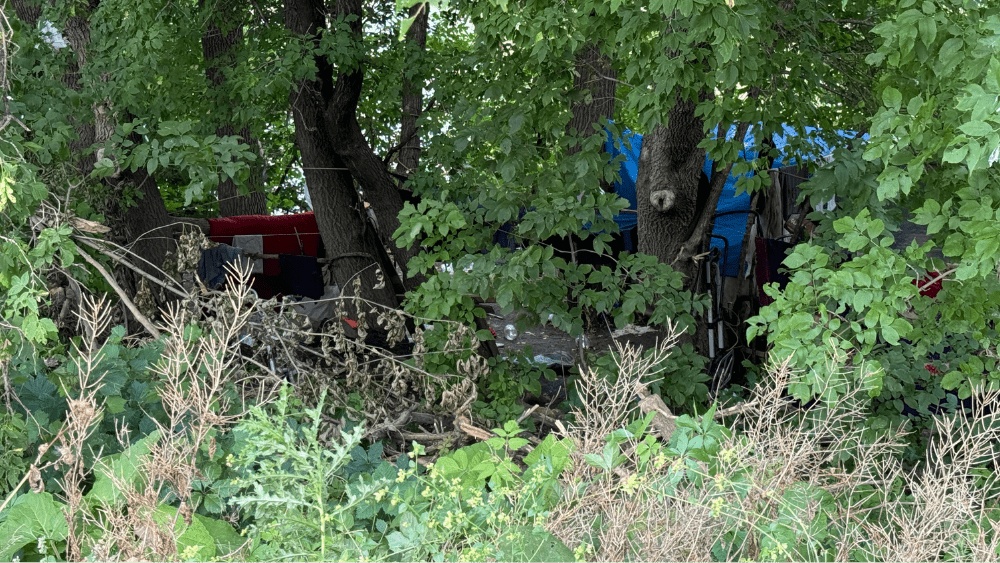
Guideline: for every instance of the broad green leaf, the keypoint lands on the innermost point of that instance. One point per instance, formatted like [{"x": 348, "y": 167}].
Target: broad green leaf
[
  {"x": 952, "y": 380},
  {"x": 31, "y": 517},
  {"x": 195, "y": 536},
  {"x": 124, "y": 467},
  {"x": 955, "y": 154},
  {"x": 976, "y": 128},
  {"x": 891, "y": 97}
]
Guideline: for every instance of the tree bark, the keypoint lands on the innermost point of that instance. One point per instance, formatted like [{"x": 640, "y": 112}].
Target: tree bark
[
  {"x": 350, "y": 242},
  {"x": 27, "y": 11},
  {"x": 413, "y": 92},
  {"x": 218, "y": 48},
  {"x": 352, "y": 147},
  {"x": 594, "y": 82},
  {"x": 675, "y": 211},
  {"x": 670, "y": 165}
]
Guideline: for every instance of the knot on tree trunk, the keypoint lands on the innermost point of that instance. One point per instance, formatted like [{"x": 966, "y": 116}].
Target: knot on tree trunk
[{"x": 662, "y": 200}]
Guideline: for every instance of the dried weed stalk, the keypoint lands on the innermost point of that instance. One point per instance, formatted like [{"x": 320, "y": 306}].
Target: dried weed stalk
[
  {"x": 375, "y": 367},
  {"x": 951, "y": 512},
  {"x": 195, "y": 372},
  {"x": 82, "y": 416},
  {"x": 775, "y": 451}
]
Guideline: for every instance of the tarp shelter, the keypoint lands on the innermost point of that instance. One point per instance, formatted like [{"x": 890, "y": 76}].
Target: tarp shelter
[
  {"x": 288, "y": 247},
  {"x": 732, "y": 210},
  {"x": 731, "y": 222},
  {"x": 630, "y": 145}
]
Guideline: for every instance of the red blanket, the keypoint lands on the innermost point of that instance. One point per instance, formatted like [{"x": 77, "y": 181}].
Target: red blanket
[{"x": 282, "y": 234}]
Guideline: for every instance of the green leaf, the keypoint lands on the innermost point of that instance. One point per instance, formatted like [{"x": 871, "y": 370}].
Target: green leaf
[
  {"x": 227, "y": 540},
  {"x": 949, "y": 50},
  {"x": 124, "y": 467},
  {"x": 31, "y": 517},
  {"x": 928, "y": 30},
  {"x": 952, "y": 380},
  {"x": 196, "y": 535},
  {"x": 526, "y": 543},
  {"x": 515, "y": 122},
  {"x": 976, "y": 128},
  {"x": 844, "y": 224},
  {"x": 115, "y": 404},
  {"x": 890, "y": 335},
  {"x": 891, "y": 97},
  {"x": 508, "y": 171},
  {"x": 955, "y": 154}
]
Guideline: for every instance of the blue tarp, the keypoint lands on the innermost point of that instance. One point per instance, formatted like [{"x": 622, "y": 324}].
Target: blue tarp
[
  {"x": 733, "y": 208},
  {"x": 625, "y": 188}
]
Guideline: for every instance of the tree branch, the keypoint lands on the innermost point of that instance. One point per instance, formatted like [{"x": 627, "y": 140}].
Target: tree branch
[
  {"x": 143, "y": 320},
  {"x": 693, "y": 244}
]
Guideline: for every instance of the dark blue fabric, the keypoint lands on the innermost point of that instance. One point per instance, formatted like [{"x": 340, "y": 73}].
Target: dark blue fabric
[
  {"x": 211, "y": 265},
  {"x": 300, "y": 275}
]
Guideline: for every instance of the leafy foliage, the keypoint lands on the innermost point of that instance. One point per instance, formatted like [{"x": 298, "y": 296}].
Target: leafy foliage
[{"x": 930, "y": 159}]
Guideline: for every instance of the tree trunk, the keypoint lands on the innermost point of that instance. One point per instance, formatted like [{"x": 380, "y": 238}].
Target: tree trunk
[
  {"x": 413, "y": 92},
  {"x": 146, "y": 221},
  {"x": 352, "y": 147},
  {"x": 218, "y": 48},
  {"x": 670, "y": 166},
  {"x": 27, "y": 11},
  {"x": 675, "y": 211},
  {"x": 594, "y": 83},
  {"x": 350, "y": 242}
]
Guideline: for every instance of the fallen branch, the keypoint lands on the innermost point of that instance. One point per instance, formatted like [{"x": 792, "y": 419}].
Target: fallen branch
[
  {"x": 463, "y": 424},
  {"x": 133, "y": 267},
  {"x": 381, "y": 430},
  {"x": 143, "y": 320}
]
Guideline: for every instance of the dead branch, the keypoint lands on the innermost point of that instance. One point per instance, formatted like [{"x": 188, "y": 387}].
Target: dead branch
[{"x": 121, "y": 293}]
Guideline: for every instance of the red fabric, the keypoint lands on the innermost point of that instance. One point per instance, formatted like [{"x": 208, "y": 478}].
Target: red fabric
[
  {"x": 929, "y": 289},
  {"x": 282, "y": 234}
]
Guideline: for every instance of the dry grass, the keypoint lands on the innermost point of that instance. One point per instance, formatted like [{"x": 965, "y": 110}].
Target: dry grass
[
  {"x": 784, "y": 468},
  {"x": 194, "y": 375}
]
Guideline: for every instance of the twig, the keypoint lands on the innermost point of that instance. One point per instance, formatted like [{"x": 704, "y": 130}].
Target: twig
[
  {"x": 932, "y": 281},
  {"x": 121, "y": 293},
  {"x": 133, "y": 267},
  {"x": 526, "y": 414},
  {"x": 125, "y": 250}
]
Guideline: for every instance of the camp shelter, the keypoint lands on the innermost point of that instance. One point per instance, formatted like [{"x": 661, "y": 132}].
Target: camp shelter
[{"x": 284, "y": 252}]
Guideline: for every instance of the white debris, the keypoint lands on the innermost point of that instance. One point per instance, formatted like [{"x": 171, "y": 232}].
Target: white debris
[{"x": 631, "y": 329}]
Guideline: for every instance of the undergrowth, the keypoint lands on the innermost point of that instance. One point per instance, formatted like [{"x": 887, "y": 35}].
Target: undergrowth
[{"x": 181, "y": 449}]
